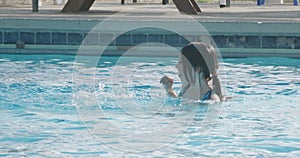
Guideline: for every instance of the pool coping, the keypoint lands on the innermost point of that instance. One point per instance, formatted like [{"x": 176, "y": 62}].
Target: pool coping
[{"x": 145, "y": 51}]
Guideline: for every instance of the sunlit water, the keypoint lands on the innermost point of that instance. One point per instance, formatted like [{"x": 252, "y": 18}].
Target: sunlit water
[{"x": 52, "y": 106}]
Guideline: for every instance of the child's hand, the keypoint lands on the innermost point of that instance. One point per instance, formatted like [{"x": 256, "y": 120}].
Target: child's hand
[{"x": 168, "y": 83}]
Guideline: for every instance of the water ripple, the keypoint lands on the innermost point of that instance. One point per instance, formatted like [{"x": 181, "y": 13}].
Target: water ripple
[{"x": 39, "y": 117}]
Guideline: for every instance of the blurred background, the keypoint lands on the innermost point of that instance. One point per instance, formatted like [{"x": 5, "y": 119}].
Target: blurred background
[{"x": 16, "y": 3}]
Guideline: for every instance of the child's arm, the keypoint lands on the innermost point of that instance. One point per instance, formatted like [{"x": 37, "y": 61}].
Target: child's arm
[{"x": 171, "y": 93}]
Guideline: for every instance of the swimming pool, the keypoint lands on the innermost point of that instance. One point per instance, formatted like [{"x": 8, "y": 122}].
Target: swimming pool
[{"x": 51, "y": 106}]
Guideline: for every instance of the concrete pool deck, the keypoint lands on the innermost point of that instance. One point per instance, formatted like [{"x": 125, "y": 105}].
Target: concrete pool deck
[{"x": 239, "y": 31}]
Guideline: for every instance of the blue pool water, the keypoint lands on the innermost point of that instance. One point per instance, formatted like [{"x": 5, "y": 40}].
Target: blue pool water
[{"x": 55, "y": 107}]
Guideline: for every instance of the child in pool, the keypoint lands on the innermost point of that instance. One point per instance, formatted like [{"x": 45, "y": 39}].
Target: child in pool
[{"x": 167, "y": 82}]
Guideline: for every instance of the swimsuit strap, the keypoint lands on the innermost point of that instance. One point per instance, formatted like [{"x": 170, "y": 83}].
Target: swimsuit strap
[{"x": 207, "y": 95}]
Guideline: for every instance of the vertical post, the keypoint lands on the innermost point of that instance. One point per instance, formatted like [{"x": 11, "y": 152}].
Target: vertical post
[
  {"x": 35, "y": 5},
  {"x": 222, "y": 3},
  {"x": 260, "y": 2},
  {"x": 165, "y": 1},
  {"x": 295, "y": 2},
  {"x": 227, "y": 3}
]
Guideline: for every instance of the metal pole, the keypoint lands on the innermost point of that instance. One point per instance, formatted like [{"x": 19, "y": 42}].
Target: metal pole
[
  {"x": 35, "y": 5},
  {"x": 258, "y": 2},
  {"x": 222, "y": 3},
  {"x": 227, "y": 3}
]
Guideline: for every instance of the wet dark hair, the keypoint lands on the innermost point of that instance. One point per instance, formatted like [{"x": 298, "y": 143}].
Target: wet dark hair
[{"x": 192, "y": 54}]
